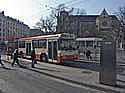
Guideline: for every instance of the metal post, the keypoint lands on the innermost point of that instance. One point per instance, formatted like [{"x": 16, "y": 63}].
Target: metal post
[{"x": 108, "y": 63}]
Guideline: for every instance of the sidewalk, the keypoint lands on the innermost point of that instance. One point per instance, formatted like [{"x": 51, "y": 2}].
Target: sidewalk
[{"x": 84, "y": 77}]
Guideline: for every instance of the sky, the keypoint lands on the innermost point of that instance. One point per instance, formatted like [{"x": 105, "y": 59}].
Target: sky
[{"x": 30, "y": 11}]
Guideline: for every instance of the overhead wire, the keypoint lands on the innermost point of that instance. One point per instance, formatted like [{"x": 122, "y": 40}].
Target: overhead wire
[{"x": 67, "y": 4}]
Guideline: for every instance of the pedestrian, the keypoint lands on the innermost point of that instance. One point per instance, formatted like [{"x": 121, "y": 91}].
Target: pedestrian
[
  {"x": 33, "y": 56},
  {"x": 15, "y": 58},
  {"x": 1, "y": 52},
  {"x": 88, "y": 54},
  {"x": 1, "y": 62}
]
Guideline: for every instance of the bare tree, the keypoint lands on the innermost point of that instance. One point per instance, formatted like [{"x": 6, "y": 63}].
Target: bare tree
[
  {"x": 79, "y": 11},
  {"x": 49, "y": 23},
  {"x": 121, "y": 14},
  {"x": 120, "y": 33},
  {"x": 40, "y": 24}
]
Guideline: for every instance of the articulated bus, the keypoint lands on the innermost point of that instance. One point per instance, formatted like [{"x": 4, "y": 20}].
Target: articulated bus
[{"x": 50, "y": 48}]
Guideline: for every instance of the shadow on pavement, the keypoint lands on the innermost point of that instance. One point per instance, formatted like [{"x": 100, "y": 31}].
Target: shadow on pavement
[{"x": 7, "y": 68}]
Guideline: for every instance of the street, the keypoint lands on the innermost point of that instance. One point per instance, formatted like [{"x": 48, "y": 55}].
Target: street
[
  {"x": 19, "y": 80},
  {"x": 69, "y": 46}
]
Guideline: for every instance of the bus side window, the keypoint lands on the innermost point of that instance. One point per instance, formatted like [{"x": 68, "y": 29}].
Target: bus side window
[
  {"x": 35, "y": 43},
  {"x": 42, "y": 43},
  {"x": 22, "y": 44}
]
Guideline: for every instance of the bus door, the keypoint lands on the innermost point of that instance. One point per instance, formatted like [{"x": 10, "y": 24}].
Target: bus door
[
  {"x": 52, "y": 49},
  {"x": 28, "y": 48}
]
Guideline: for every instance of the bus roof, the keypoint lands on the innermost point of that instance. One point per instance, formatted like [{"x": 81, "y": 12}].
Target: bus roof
[
  {"x": 89, "y": 39},
  {"x": 53, "y": 36}
]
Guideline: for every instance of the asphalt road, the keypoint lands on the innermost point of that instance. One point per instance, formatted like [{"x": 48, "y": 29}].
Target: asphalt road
[{"x": 19, "y": 80}]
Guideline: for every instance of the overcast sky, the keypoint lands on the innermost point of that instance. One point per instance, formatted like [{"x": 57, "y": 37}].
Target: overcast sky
[{"x": 29, "y": 11}]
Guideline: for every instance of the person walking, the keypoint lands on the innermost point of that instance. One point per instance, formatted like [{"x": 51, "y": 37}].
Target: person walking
[
  {"x": 1, "y": 62},
  {"x": 88, "y": 54},
  {"x": 15, "y": 58},
  {"x": 2, "y": 50},
  {"x": 33, "y": 58}
]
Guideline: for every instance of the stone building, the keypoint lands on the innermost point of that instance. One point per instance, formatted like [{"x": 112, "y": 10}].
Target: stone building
[
  {"x": 11, "y": 28},
  {"x": 103, "y": 26},
  {"x": 35, "y": 32}
]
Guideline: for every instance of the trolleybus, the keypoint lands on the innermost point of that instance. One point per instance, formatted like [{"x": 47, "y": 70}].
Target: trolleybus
[
  {"x": 90, "y": 43},
  {"x": 52, "y": 48}
]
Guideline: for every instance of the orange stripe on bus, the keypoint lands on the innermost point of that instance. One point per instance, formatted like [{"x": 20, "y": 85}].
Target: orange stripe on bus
[{"x": 38, "y": 38}]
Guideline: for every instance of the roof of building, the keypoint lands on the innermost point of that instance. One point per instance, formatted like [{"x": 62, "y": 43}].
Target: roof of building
[
  {"x": 35, "y": 32},
  {"x": 87, "y": 18},
  {"x": 12, "y": 19}
]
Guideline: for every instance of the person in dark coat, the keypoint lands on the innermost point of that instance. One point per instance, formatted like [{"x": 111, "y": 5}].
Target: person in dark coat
[
  {"x": 88, "y": 54},
  {"x": 15, "y": 58},
  {"x": 33, "y": 58}
]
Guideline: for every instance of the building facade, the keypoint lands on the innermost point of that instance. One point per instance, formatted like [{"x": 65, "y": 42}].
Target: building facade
[
  {"x": 103, "y": 26},
  {"x": 35, "y": 32},
  {"x": 11, "y": 28}
]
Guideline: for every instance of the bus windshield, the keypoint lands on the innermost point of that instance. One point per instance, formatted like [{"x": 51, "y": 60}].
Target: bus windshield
[{"x": 67, "y": 44}]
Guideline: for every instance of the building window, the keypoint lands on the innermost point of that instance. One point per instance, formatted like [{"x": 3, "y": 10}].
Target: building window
[
  {"x": 3, "y": 34},
  {"x": 3, "y": 21},
  {"x": 3, "y": 30}
]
